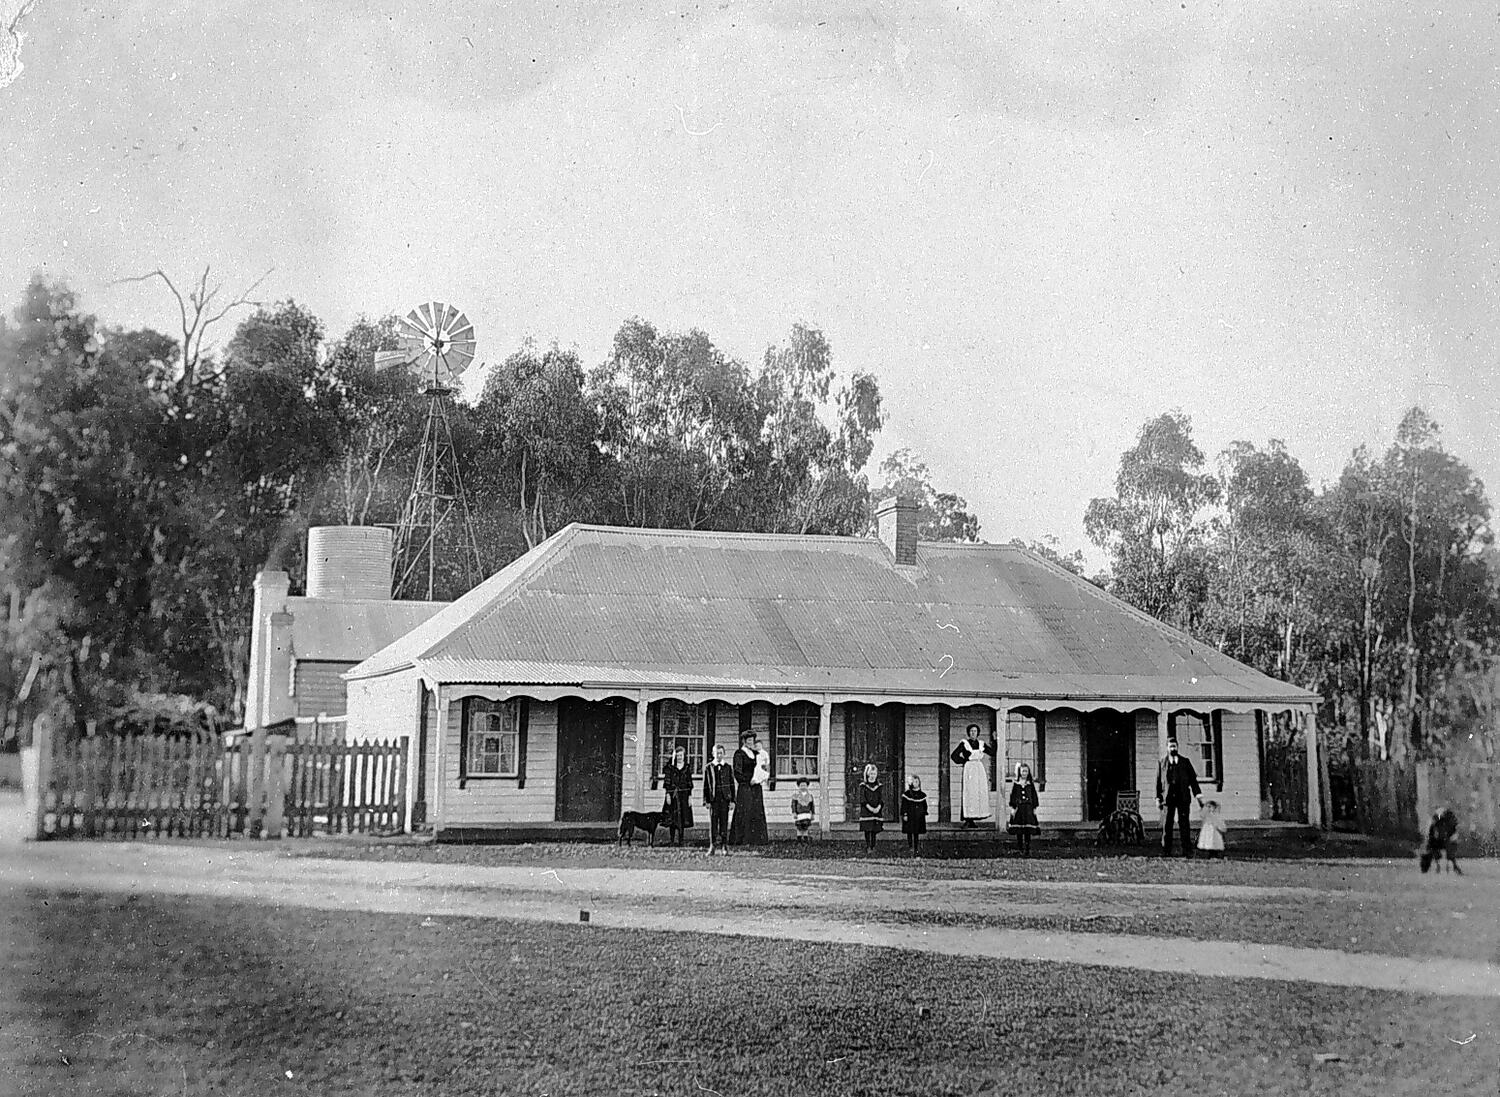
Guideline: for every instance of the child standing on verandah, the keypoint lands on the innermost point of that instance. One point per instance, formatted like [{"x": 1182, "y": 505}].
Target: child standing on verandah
[
  {"x": 871, "y": 806},
  {"x": 913, "y": 813},
  {"x": 803, "y": 808}
]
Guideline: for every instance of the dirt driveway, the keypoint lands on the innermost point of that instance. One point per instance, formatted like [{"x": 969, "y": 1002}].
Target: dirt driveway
[{"x": 801, "y": 906}]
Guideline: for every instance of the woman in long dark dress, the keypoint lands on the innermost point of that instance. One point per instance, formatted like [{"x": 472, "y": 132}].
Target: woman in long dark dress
[
  {"x": 1023, "y": 804},
  {"x": 871, "y": 806},
  {"x": 748, "y": 827},
  {"x": 677, "y": 780}
]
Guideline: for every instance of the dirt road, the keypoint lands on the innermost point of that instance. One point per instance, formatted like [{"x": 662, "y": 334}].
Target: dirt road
[{"x": 811, "y": 907}]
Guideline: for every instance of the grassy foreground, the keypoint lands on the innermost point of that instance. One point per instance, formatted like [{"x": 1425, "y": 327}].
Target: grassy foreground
[{"x": 181, "y": 996}]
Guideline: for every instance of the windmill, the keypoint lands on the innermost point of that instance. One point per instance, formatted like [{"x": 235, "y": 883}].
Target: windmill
[{"x": 437, "y": 345}]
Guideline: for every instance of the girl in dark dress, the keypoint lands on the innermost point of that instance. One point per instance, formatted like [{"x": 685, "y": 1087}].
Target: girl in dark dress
[
  {"x": 913, "y": 813},
  {"x": 1023, "y": 804},
  {"x": 871, "y": 806},
  {"x": 677, "y": 780}
]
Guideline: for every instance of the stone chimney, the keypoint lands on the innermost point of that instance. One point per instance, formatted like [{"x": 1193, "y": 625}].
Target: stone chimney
[{"x": 897, "y": 521}]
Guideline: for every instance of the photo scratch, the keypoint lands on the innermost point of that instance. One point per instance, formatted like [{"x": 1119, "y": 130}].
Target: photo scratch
[{"x": 689, "y": 129}]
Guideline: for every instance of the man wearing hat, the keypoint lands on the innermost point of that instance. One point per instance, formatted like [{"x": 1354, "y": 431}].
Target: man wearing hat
[{"x": 1176, "y": 781}]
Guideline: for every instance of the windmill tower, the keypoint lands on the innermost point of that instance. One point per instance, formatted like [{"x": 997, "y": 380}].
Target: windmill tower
[{"x": 437, "y": 345}]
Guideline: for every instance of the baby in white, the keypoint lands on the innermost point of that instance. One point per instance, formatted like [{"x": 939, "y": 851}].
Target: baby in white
[{"x": 762, "y": 764}]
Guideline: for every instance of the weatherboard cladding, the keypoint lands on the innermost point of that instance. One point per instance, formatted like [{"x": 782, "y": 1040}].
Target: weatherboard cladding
[{"x": 641, "y": 607}]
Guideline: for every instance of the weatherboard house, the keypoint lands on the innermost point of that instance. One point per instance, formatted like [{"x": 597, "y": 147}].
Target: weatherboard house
[{"x": 550, "y": 694}]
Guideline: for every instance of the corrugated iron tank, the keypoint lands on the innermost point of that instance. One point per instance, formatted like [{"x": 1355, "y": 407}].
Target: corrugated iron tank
[{"x": 349, "y": 562}]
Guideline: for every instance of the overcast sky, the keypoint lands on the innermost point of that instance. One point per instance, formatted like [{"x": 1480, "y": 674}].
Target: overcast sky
[{"x": 1037, "y": 224}]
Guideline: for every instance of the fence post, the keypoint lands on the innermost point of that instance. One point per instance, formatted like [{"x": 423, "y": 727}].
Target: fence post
[
  {"x": 255, "y": 758},
  {"x": 36, "y": 778},
  {"x": 275, "y": 784}
]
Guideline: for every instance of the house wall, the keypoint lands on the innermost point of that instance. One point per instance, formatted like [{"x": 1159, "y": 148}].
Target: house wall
[
  {"x": 319, "y": 688},
  {"x": 1147, "y": 757},
  {"x": 778, "y": 801},
  {"x": 487, "y": 800},
  {"x": 1240, "y": 797},
  {"x": 383, "y": 708},
  {"x": 1062, "y": 800}
]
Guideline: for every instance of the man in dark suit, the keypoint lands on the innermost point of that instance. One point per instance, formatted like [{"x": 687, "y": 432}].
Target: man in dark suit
[
  {"x": 1176, "y": 787},
  {"x": 718, "y": 797}
]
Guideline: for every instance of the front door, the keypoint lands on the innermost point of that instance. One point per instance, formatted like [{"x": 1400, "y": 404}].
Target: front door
[
  {"x": 590, "y": 738},
  {"x": 1109, "y": 759},
  {"x": 875, "y": 735}
]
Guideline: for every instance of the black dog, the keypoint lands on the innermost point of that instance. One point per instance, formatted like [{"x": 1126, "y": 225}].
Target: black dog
[
  {"x": 1441, "y": 842},
  {"x": 632, "y": 821}
]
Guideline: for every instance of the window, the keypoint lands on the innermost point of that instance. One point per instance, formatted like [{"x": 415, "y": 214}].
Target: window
[
  {"x": 679, "y": 724},
  {"x": 796, "y": 750},
  {"x": 494, "y": 738},
  {"x": 1197, "y": 740},
  {"x": 1026, "y": 741}
]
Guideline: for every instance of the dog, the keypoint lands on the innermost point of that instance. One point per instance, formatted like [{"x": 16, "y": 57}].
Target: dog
[
  {"x": 632, "y": 821},
  {"x": 1441, "y": 843}
]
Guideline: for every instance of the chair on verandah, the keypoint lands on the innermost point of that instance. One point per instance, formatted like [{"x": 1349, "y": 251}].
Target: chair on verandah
[{"x": 1124, "y": 824}]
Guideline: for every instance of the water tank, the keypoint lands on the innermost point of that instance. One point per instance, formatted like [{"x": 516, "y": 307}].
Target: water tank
[{"x": 349, "y": 562}]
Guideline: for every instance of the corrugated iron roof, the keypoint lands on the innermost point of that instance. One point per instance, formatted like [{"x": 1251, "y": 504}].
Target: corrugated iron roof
[
  {"x": 347, "y": 630},
  {"x": 605, "y": 606}
]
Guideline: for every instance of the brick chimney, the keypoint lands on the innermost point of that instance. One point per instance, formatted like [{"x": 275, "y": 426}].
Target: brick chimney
[
  {"x": 268, "y": 690},
  {"x": 897, "y": 521}
]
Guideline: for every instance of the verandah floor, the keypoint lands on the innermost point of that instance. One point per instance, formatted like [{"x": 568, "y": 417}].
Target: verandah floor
[{"x": 1053, "y": 835}]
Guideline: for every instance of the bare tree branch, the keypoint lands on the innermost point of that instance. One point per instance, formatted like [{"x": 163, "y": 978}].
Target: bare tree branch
[{"x": 195, "y": 318}]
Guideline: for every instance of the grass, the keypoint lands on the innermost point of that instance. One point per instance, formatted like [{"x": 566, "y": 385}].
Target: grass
[
  {"x": 1338, "y": 863},
  {"x": 187, "y": 996}
]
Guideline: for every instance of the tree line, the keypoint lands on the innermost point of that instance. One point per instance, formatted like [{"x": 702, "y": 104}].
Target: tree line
[
  {"x": 1380, "y": 591},
  {"x": 145, "y": 478}
]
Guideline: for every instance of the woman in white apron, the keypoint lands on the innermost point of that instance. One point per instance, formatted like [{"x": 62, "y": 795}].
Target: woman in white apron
[{"x": 971, "y": 753}]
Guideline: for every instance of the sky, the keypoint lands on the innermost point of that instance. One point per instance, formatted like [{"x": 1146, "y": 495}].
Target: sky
[{"x": 1037, "y": 224}]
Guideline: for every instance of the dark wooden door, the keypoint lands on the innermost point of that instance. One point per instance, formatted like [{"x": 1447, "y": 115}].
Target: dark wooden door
[
  {"x": 1109, "y": 759},
  {"x": 589, "y": 743},
  {"x": 875, "y": 735}
]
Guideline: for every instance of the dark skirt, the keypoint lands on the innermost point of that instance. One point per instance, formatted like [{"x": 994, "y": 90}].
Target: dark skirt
[
  {"x": 869, "y": 825},
  {"x": 678, "y": 808},
  {"x": 748, "y": 827},
  {"x": 1023, "y": 821},
  {"x": 914, "y": 824}
]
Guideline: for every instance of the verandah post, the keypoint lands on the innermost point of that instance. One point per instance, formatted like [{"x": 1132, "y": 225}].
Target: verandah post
[
  {"x": 825, "y": 778},
  {"x": 440, "y": 759},
  {"x": 641, "y": 704},
  {"x": 1314, "y": 784},
  {"x": 1001, "y": 716}
]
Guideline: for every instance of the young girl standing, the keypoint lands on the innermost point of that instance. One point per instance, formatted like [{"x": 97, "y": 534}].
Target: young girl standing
[
  {"x": 803, "y": 808},
  {"x": 1023, "y": 804},
  {"x": 1211, "y": 830},
  {"x": 913, "y": 813},
  {"x": 871, "y": 806}
]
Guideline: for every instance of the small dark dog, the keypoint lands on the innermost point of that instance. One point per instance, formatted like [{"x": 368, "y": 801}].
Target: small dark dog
[
  {"x": 632, "y": 821},
  {"x": 1441, "y": 843}
]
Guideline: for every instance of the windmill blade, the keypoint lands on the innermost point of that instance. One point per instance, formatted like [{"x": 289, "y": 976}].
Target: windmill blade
[{"x": 391, "y": 359}]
